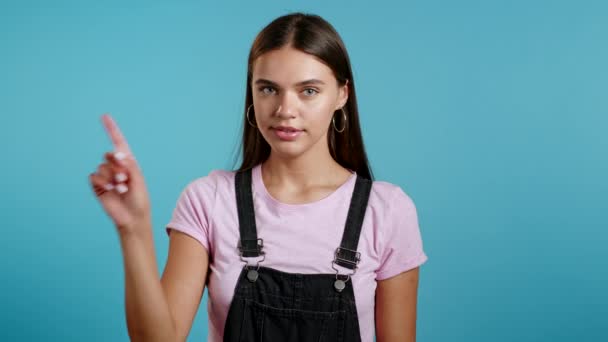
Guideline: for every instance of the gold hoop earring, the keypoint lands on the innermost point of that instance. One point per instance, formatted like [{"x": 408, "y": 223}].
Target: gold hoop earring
[
  {"x": 333, "y": 121},
  {"x": 247, "y": 116}
]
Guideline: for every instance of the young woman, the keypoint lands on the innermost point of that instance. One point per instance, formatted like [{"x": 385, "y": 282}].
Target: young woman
[{"x": 298, "y": 244}]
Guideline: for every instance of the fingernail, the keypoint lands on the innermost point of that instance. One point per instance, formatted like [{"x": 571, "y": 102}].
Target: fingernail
[
  {"x": 120, "y": 155},
  {"x": 108, "y": 186},
  {"x": 120, "y": 177},
  {"x": 121, "y": 188}
]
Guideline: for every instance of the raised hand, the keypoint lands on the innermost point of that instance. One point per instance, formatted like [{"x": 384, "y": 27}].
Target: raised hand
[{"x": 119, "y": 184}]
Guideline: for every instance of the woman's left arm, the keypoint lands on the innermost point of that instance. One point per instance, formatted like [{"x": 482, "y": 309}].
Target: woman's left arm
[{"x": 396, "y": 299}]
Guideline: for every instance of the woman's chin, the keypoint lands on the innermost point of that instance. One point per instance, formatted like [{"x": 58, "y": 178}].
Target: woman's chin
[{"x": 287, "y": 152}]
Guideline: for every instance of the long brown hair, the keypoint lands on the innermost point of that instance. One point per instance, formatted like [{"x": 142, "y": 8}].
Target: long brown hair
[{"x": 315, "y": 36}]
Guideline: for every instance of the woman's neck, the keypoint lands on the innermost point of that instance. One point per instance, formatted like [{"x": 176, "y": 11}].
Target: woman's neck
[{"x": 299, "y": 174}]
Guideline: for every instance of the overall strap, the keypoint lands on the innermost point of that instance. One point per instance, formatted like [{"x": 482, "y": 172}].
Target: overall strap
[
  {"x": 346, "y": 255},
  {"x": 249, "y": 245}
]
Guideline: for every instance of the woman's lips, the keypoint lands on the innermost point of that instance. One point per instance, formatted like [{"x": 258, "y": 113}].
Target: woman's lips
[{"x": 286, "y": 133}]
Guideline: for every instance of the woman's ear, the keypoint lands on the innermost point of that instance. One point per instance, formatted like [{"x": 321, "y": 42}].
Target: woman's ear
[{"x": 343, "y": 95}]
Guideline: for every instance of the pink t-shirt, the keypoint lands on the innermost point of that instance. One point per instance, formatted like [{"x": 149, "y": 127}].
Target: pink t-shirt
[{"x": 298, "y": 238}]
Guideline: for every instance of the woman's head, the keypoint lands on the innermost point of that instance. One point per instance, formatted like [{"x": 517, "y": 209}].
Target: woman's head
[{"x": 299, "y": 77}]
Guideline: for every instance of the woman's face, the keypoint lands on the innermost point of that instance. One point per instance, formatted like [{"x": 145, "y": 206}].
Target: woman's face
[{"x": 294, "y": 98}]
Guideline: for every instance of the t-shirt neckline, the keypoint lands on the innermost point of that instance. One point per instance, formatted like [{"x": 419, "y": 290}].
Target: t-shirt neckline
[{"x": 260, "y": 187}]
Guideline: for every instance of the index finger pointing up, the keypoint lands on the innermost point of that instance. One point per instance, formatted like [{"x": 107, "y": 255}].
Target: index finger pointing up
[{"x": 118, "y": 140}]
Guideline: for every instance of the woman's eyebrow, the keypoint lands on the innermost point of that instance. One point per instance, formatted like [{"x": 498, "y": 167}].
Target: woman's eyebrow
[
  {"x": 311, "y": 81},
  {"x": 262, "y": 81}
]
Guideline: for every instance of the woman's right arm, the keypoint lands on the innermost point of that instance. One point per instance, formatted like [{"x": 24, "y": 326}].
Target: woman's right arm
[
  {"x": 162, "y": 309},
  {"x": 157, "y": 309},
  {"x": 184, "y": 279}
]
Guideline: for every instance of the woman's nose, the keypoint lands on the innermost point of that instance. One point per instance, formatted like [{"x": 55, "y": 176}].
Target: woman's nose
[{"x": 287, "y": 107}]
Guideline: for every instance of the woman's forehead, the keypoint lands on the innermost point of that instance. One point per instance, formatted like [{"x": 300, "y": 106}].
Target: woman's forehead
[{"x": 288, "y": 66}]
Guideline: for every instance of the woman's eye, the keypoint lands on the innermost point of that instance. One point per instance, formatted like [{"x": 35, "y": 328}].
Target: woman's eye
[
  {"x": 310, "y": 91},
  {"x": 267, "y": 90}
]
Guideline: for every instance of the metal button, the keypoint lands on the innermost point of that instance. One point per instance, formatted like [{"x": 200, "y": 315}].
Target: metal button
[
  {"x": 339, "y": 285},
  {"x": 252, "y": 275}
]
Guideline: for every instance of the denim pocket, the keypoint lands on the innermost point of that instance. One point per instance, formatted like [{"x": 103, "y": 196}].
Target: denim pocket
[{"x": 263, "y": 323}]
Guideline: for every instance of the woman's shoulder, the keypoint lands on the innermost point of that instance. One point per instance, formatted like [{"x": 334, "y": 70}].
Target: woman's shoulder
[
  {"x": 390, "y": 195},
  {"x": 216, "y": 178}
]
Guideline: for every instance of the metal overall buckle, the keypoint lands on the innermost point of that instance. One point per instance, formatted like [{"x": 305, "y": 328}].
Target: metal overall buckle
[
  {"x": 340, "y": 284},
  {"x": 252, "y": 274}
]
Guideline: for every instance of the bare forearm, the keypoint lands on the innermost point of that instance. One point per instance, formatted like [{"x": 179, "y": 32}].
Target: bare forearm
[{"x": 147, "y": 310}]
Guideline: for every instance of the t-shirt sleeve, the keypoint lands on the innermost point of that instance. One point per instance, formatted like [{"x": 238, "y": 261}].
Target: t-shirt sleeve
[
  {"x": 403, "y": 248},
  {"x": 193, "y": 210}
]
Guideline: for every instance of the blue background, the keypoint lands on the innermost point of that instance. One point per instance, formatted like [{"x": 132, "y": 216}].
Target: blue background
[{"x": 492, "y": 116}]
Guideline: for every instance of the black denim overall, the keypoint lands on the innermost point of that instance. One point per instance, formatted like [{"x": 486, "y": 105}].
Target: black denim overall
[{"x": 271, "y": 305}]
